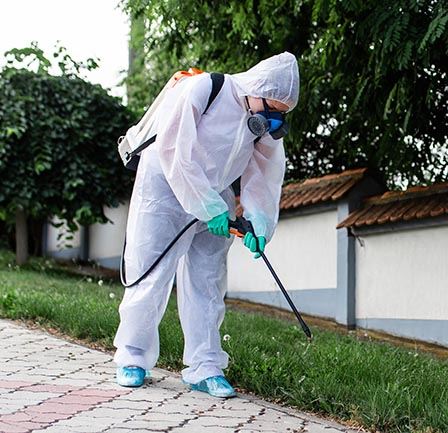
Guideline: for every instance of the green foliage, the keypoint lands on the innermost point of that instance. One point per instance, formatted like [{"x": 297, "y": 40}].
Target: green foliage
[
  {"x": 33, "y": 55},
  {"x": 58, "y": 141},
  {"x": 373, "y": 73}
]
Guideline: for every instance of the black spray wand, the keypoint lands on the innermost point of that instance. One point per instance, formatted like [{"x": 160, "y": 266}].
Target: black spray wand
[{"x": 239, "y": 228}]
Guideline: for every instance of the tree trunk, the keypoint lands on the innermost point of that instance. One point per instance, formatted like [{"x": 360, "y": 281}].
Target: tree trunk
[{"x": 21, "y": 237}]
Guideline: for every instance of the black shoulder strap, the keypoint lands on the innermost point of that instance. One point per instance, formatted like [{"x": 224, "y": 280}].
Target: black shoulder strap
[
  {"x": 217, "y": 83},
  {"x": 142, "y": 146}
]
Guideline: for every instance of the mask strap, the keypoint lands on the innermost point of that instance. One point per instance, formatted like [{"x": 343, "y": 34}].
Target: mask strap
[
  {"x": 248, "y": 105},
  {"x": 266, "y": 107}
]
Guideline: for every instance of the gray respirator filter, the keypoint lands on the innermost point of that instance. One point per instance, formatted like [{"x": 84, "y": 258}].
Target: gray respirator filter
[{"x": 258, "y": 124}]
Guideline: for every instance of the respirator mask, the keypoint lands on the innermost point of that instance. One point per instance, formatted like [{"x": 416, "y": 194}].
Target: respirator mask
[{"x": 267, "y": 121}]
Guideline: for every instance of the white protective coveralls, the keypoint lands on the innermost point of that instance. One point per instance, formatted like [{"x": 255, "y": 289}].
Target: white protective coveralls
[{"x": 185, "y": 174}]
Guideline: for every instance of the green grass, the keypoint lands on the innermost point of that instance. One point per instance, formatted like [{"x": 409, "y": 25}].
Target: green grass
[{"x": 376, "y": 385}]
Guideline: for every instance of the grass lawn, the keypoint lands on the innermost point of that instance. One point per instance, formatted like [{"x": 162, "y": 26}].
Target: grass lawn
[{"x": 376, "y": 385}]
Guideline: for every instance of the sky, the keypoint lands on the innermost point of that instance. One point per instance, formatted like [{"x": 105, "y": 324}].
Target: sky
[{"x": 87, "y": 28}]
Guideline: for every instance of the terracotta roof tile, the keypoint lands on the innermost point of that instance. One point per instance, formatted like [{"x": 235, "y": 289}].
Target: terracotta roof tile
[
  {"x": 354, "y": 217},
  {"x": 306, "y": 197},
  {"x": 340, "y": 192},
  {"x": 418, "y": 205},
  {"x": 331, "y": 188},
  {"x": 332, "y": 191},
  {"x": 399, "y": 206},
  {"x": 400, "y": 210},
  {"x": 290, "y": 199},
  {"x": 396, "y": 213},
  {"x": 376, "y": 213},
  {"x": 438, "y": 210},
  {"x": 425, "y": 211}
]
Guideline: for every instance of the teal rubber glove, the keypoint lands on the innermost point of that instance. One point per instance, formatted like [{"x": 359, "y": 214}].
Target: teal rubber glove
[
  {"x": 219, "y": 225},
  {"x": 250, "y": 241}
]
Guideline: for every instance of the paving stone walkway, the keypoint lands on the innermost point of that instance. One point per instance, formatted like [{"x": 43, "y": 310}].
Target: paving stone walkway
[{"x": 50, "y": 385}]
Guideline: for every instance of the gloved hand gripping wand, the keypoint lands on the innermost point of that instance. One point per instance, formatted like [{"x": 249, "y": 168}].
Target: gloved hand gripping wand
[{"x": 239, "y": 228}]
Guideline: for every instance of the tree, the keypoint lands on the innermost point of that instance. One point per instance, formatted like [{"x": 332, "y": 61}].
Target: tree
[
  {"x": 57, "y": 145},
  {"x": 373, "y": 73}
]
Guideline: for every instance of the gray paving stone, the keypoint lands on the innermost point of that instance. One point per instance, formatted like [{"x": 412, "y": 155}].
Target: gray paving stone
[
  {"x": 82, "y": 423},
  {"x": 88, "y": 428},
  {"x": 111, "y": 413},
  {"x": 104, "y": 384},
  {"x": 9, "y": 367},
  {"x": 177, "y": 408},
  {"x": 10, "y": 408},
  {"x": 150, "y": 425},
  {"x": 234, "y": 413},
  {"x": 72, "y": 382},
  {"x": 163, "y": 416},
  {"x": 29, "y": 397},
  {"x": 88, "y": 417},
  {"x": 320, "y": 428},
  {"x": 37, "y": 375},
  {"x": 126, "y": 430},
  {"x": 263, "y": 431},
  {"x": 151, "y": 394},
  {"x": 199, "y": 398},
  {"x": 122, "y": 430},
  {"x": 25, "y": 377},
  {"x": 159, "y": 373},
  {"x": 262, "y": 426},
  {"x": 127, "y": 404},
  {"x": 55, "y": 428},
  {"x": 239, "y": 404},
  {"x": 201, "y": 429},
  {"x": 208, "y": 421},
  {"x": 276, "y": 417}
]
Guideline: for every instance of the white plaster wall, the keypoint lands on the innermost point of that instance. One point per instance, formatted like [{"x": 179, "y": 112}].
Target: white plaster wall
[
  {"x": 106, "y": 240},
  {"x": 303, "y": 252},
  {"x": 56, "y": 245},
  {"x": 403, "y": 275}
]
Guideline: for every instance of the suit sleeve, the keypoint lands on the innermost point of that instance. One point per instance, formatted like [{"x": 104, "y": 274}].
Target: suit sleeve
[{"x": 261, "y": 185}]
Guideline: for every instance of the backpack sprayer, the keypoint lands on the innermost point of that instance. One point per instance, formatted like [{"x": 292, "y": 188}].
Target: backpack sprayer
[{"x": 239, "y": 228}]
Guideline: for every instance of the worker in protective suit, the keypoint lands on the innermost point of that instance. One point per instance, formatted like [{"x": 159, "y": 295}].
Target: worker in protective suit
[{"x": 188, "y": 173}]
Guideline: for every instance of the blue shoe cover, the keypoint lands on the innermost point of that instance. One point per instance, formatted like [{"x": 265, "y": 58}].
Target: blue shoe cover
[
  {"x": 217, "y": 386},
  {"x": 131, "y": 376}
]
